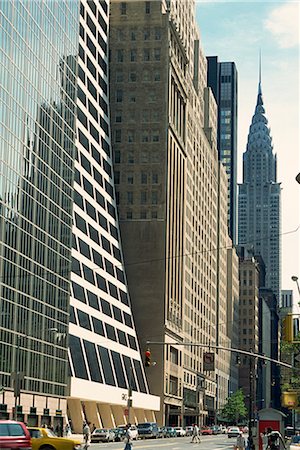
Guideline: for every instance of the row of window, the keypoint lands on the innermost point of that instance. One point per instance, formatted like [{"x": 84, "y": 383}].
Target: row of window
[
  {"x": 96, "y": 215},
  {"x": 145, "y": 34},
  {"x": 146, "y": 55},
  {"x": 97, "y": 237},
  {"x": 142, "y": 215},
  {"x": 145, "y": 177},
  {"x": 144, "y": 156},
  {"x": 149, "y": 96},
  {"x": 144, "y": 198},
  {"x": 123, "y": 8},
  {"x": 105, "y": 366},
  {"x": 146, "y": 76},
  {"x": 95, "y": 194},
  {"x": 103, "y": 123},
  {"x": 101, "y": 328},
  {"x": 145, "y": 136},
  {"x": 92, "y": 90}
]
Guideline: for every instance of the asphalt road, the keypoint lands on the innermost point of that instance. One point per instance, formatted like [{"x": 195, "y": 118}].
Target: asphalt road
[{"x": 219, "y": 442}]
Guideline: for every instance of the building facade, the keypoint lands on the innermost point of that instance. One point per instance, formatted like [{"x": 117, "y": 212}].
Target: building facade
[
  {"x": 37, "y": 108},
  {"x": 260, "y": 199},
  {"x": 104, "y": 351},
  {"x": 58, "y": 225},
  {"x": 223, "y": 80},
  {"x": 164, "y": 132}
]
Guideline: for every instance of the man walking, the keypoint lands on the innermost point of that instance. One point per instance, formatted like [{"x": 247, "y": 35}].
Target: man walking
[
  {"x": 195, "y": 434},
  {"x": 86, "y": 435},
  {"x": 128, "y": 438},
  {"x": 240, "y": 442}
]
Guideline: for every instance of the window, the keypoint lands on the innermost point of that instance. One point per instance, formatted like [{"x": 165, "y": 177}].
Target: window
[
  {"x": 146, "y": 35},
  {"x": 118, "y": 117},
  {"x": 156, "y": 76},
  {"x": 130, "y": 198},
  {"x": 133, "y": 35},
  {"x": 93, "y": 362},
  {"x": 84, "y": 320},
  {"x": 129, "y": 215},
  {"x": 119, "y": 96},
  {"x": 98, "y": 326},
  {"x": 84, "y": 248},
  {"x": 119, "y": 77},
  {"x": 155, "y": 136},
  {"x": 130, "y": 157},
  {"x": 123, "y": 8},
  {"x": 144, "y": 178},
  {"x": 146, "y": 75},
  {"x": 119, "y": 369},
  {"x": 106, "y": 366},
  {"x": 147, "y": 8},
  {"x": 93, "y": 300},
  {"x": 154, "y": 178},
  {"x": 97, "y": 258},
  {"x": 130, "y": 178},
  {"x": 145, "y": 136},
  {"x": 133, "y": 55},
  {"x": 154, "y": 198},
  {"x": 130, "y": 136},
  {"x": 122, "y": 337},
  {"x": 110, "y": 332},
  {"x": 132, "y": 77},
  {"x": 117, "y": 314},
  {"x": 120, "y": 55},
  {"x": 143, "y": 215},
  {"x": 146, "y": 54},
  {"x": 77, "y": 356},
  {"x": 88, "y": 274},
  {"x": 157, "y": 54},
  {"x": 143, "y": 197},
  {"x": 117, "y": 157},
  {"x": 78, "y": 292},
  {"x": 157, "y": 34},
  {"x": 106, "y": 307},
  {"x": 118, "y": 136}
]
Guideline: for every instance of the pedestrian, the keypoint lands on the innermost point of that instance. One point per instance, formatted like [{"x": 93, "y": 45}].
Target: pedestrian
[
  {"x": 274, "y": 439},
  {"x": 264, "y": 439},
  {"x": 128, "y": 438},
  {"x": 86, "y": 435},
  {"x": 195, "y": 434},
  {"x": 240, "y": 442},
  {"x": 67, "y": 430}
]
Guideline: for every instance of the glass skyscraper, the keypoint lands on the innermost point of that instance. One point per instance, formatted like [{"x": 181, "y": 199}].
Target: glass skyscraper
[
  {"x": 39, "y": 42},
  {"x": 58, "y": 223},
  {"x": 222, "y": 78}
]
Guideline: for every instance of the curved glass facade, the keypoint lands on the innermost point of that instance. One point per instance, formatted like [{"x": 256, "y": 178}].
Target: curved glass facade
[{"x": 39, "y": 44}]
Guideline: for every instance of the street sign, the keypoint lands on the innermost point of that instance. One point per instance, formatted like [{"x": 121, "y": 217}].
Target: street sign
[{"x": 208, "y": 361}]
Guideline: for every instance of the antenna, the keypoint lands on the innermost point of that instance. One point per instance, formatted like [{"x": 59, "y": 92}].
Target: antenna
[{"x": 259, "y": 74}]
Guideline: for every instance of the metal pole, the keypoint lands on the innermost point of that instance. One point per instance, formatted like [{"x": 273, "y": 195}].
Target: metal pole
[
  {"x": 129, "y": 400},
  {"x": 251, "y": 445}
]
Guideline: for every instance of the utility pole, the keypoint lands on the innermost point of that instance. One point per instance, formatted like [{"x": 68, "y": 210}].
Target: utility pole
[
  {"x": 250, "y": 417},
  {"x": 129, "y": 399}
]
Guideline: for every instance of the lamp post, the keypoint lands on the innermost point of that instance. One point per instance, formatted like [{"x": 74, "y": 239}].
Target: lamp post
[
  {"x": 250, "y": 418},
  {"x": 295, "y": 278}
]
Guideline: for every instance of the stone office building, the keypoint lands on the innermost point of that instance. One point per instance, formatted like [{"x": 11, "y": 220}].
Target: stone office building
[{"x": 164, "y": 134}]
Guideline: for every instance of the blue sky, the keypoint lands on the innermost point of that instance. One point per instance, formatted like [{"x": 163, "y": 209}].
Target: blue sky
[{"x": 237, "y": 31}]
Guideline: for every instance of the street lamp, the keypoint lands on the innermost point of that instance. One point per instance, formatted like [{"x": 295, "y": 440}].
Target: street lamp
[{"x": 295, "y": 278}]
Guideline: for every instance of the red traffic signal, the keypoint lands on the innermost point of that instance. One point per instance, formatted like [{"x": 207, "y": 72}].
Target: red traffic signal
[{"x": 147, "y": 358}]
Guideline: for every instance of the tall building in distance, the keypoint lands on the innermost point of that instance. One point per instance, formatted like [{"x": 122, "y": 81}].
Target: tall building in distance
[
  {"x": 168, "y": 190},
  {"x": 223, "y": 79},
  {"x": 259, "y": 201},
  {"x": 75, "y": 348}
]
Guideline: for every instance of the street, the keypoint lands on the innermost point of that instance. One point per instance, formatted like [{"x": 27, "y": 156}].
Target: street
[{"x": 219, "y": 442}]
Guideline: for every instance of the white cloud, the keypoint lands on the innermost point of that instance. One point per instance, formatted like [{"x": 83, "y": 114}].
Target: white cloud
[{"x": 283, "y": 23}]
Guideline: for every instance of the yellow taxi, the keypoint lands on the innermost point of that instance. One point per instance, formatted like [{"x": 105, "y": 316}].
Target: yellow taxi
[{"x": 44, "y": 438}]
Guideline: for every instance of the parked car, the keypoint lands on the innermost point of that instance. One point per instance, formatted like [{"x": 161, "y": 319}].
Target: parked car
[
  {"x": 206, "y": 431},
  {"x": 133, "y": 429},
  {"x": 189, "y": 431},
  {"x": 119, "y": 434},
  {"x": 161, "y": 432},
  {"x": 233, "y": 432},
  {"x": 43, "y": 438},
  {"x": 216, "y": 429},
  {"x": 295, "y": 443},
  {"x": 224, "y": 429},
  {"x": 170, "y": 432},
  {"x": 102, "y": 435},
  {"x": 180, "y": 432},
  {"x": 14, "y": 435},
  {"x": 147, "y": 430}
]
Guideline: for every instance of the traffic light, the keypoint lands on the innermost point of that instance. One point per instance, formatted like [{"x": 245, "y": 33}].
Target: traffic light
[
  {"x": 288, "y": 328},
  {"x": 147, "y": 358},
  {"x": 238, "y": 360}
]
